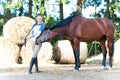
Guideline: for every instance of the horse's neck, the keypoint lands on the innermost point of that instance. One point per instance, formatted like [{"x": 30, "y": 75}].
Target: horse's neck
[
  {"x": 60, "y": 31},
  {"x": 78, "y": 19}
]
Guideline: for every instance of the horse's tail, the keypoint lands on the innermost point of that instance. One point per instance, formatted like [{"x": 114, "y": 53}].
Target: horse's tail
[{"x": 113, "y": 46}]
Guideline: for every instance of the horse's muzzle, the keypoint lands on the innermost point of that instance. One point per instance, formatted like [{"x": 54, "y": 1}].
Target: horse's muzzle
[{"x": 42, "y": 38}]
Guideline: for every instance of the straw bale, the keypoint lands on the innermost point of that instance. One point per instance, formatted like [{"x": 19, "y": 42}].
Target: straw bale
[
  {"x": 63, "y": 52},
  {"x": 44, "y": 54},
  {"x": 83, "y": 52},
  {"x": 117, "y": 52},
  {"x": 26, "y": 52},
  {"x": 9, "y": 51},
  {"x": 16, "y": 28}
]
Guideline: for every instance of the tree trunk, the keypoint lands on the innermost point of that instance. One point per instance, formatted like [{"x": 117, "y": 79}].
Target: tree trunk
[
  {"x": 8, "y": 10},
  {"x": 107, "y": 10},
  {"x": 95, "y": 8},
  {"x": 42, "y": 8},
  {"x": 30, "y": 8},
  {"x": 79, "y": 6},
  {"x": 61, "y": 10},
  {"x": 113, "y": 12}
]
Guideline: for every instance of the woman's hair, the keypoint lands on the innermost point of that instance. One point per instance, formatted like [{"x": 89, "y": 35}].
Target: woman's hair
[{"x": 37, "y": 16}]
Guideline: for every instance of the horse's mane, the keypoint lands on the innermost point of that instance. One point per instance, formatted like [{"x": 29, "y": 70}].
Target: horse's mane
[{"x": 64, "y": 22}]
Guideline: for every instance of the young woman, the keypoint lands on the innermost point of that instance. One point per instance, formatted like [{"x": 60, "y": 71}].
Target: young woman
[{"x": 38, "y": 28}]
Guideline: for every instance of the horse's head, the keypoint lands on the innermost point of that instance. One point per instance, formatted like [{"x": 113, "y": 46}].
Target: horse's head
[{"x": 44, "y": 37}]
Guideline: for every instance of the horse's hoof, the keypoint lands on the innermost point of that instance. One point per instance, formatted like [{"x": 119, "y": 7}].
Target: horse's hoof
[
  {"x": 29, "y": 72},
  {"x": 102, "y": 67},
  {"x": 110, "y": 68},
  {"x": 37, "y": 71},
  {"x": 75, "y": 70}
]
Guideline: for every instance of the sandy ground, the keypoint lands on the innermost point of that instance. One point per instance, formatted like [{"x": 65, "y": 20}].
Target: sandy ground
[{"x": 89, "y": 71}]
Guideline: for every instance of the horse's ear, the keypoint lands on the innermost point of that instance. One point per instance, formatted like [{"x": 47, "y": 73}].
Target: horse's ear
[{"x": 46, "y": 28}]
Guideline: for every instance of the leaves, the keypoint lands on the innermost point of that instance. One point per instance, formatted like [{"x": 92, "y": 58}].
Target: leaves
[
  {"x": 13, "y": 4},
  {"x": 96, "y": 3},
  {"x": 16, "y": 6}
]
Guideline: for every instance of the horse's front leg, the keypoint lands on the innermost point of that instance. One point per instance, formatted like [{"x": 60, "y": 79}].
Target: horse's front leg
[
  {"x": 77, "y": 59},
  {"x": 76, "y": 47}
]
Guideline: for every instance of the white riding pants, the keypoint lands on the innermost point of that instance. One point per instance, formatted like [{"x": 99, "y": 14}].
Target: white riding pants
[{"x": 35, "y": 48}]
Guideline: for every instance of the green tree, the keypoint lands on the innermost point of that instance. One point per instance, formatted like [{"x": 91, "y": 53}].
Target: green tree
[
  {"x": 61, "y": 2},
  {"x": 8, "y": 13},
  {"x": 30, "y": 8},
  {"x": 107, "y": 13},
  {"x": 61, "y": 10},
  {"x": 95, "y": 4},
  {"x": 79, "y": 6}
]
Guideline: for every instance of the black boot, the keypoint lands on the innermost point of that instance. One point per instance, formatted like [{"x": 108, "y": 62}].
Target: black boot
[
  {"x": 36, "y": 65},
  {"x": 31, "y": 65}
]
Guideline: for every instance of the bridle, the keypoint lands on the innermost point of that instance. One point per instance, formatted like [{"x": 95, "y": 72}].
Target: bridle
[{"x": 43, "y": 37}]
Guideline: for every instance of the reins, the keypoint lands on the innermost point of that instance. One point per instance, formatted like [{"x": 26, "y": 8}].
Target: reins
[{"x": 25, "y": 39}]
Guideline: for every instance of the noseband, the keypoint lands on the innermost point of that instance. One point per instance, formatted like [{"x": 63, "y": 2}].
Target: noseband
[{"x": 43, "y": 37}]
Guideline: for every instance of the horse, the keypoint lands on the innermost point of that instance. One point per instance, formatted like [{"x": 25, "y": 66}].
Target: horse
[{"x": 80, "y": 29}]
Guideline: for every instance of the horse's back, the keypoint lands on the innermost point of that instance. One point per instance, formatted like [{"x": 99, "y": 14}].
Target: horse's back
[
  {"x": 92, "y": 29},
  {"x": 108, "y": 25}
]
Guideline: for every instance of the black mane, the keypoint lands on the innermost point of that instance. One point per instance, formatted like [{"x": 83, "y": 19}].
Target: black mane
[{"x": 64, "y": 22}]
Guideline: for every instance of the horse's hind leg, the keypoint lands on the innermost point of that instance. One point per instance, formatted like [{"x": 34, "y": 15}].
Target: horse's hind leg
[
  {"x": 111, "y": 51},
  {"x": 104, "y": 51}
]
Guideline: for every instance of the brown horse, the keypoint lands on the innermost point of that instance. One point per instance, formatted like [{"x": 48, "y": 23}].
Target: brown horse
[{"x": 85, "y": 30}]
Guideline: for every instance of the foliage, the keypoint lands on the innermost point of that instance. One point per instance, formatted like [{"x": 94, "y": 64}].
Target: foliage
[
  {"x": 50, "y": 21},
  {"x": 117, "y": 36},
  {"x": 55, "y": 39},
  {"x": 1, "y": 25},
  {"x": 63, "y": 1},
  {"x": 92, "y": 3},
  {"x": 115, "y": 11},
  {"x": 93, "y": 48}
]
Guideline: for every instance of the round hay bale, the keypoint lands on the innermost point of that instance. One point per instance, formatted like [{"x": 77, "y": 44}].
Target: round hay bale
[
  {"x": 116, "y": 56},
  {"x": 83, "y": 52},
  {"x": 16, "y": 29},
  {"x": 63, "y": 52},
  {"x": 26, "y": 52},
  {"x": 9, "y": 51},
  {"x": 44, "y": 55}
]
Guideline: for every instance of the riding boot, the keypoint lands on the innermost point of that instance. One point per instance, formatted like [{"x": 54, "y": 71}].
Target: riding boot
[
  {"x": 36, "y": 65},
  {"x": 31, "y": 65}
]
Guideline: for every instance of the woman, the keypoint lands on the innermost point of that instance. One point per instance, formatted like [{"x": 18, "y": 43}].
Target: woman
[{"x": 38, "y": 28}]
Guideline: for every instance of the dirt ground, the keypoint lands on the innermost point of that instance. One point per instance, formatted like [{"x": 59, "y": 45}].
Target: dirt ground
[{"x": 89, "y": 71}]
